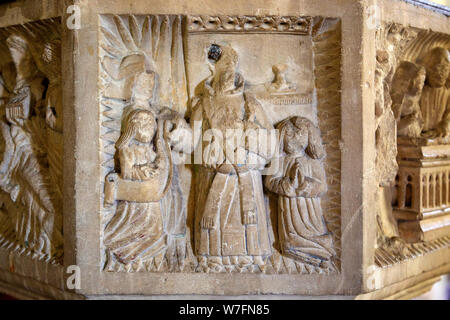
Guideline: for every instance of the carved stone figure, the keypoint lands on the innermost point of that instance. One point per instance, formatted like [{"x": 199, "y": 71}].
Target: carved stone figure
[
  {"x": 299, "y": 183},
  {"x": 230, "y": 214},
  {"x": 131, "y": 46},
  {"x": 34, "y": 201},
  {"x": 435, "y": 102},
  {"x": 160, "y": 192},
  {"x": 406, "y": 91},
  {"x": 136, "y": 231},
  {"x": 47, "y": 57},
  {"x": 390, "y": 41},
  {"x": 169, "y": 170},
  {"x": 421, "y": 194}
]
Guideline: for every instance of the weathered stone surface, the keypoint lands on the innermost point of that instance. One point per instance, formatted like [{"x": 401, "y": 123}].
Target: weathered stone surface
[{"x": 223, "y": 149}]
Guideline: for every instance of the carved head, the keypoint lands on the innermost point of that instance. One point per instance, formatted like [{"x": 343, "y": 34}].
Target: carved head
[
  {"x": 21, "y": 56},
  {"x": 144, "y": 86},
  {"x": 437, "y": 65},
  {"x": 225, "y": 75},
  {"x": 139, "y": 125},
  {"x": 395, "y": 34},
  {"x": 224, "y": 57},
  {"x": 409, "y": 79},
  {"x": 298, "y": 135}
]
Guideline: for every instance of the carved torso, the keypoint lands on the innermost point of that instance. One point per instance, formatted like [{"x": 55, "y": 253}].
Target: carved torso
[{"x": 434, "y": 104}]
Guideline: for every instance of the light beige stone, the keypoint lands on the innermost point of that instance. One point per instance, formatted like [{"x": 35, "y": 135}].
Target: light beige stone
[{"x": 237, "y": 149}]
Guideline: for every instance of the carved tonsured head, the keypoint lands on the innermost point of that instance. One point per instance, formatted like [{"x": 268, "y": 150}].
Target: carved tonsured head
[{"x": 223, "y": 56}]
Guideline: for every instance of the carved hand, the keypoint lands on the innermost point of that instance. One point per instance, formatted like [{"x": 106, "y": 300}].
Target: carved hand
[
  {"x": 148, "y": 170},
  {"x": 440, "y": 131},
  {"x": 251, "y": 125},
  {"x": 295, "y": 174},
  {"x": 50, "y": 118},
  {"x": 304, "y": 187}
]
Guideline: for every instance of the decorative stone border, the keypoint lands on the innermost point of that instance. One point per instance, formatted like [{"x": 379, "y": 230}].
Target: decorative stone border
[{"x": 285, "y": 24}]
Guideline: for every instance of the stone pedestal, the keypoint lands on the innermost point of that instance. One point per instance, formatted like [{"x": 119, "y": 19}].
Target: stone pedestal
[
  {"x": 421, "y": 205},
  {"x": 100, "y": 100}
]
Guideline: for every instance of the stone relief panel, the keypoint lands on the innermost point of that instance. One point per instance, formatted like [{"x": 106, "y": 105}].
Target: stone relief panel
[
  {"x": 31, "y": 140},
  {"x": 220, "y": 152},
  {"x": 413, "y": 87}
]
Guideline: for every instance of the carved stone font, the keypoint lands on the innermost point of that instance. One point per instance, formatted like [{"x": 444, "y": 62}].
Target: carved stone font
[{"x": 170, "y": 149}]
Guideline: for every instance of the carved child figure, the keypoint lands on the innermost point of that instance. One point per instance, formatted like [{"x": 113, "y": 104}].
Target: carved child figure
[
  {"x": 406, "y": 90},
  {"x": 136, "y": 231},
  {"x": 299, "y": 183}
]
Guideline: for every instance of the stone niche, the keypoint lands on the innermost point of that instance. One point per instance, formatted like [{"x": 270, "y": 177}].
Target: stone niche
[{"x": 241, "y": 148}]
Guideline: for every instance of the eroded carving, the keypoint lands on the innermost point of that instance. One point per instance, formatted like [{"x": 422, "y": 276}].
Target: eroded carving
[
  {"x": 31, "y": 127},
  {"x": 422, "y": 193},
  {"x": 406, "y": 91},
  {"x": 390, "y": 41},
  {"x": 418, "y": 87}
]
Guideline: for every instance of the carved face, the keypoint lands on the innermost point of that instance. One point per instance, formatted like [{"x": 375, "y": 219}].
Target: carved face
[
  {"x": 295, "y": 140},
  {"x": 437, "y": 65},
  {"x": 417, "y": 83},
  {"x": 228, "y": 60},
  {"x": 145, "y": 127},
  {"x": 227, "y": 64},
  {"x": 144, "y": 86},
  {"x": 393, "y": 39}
]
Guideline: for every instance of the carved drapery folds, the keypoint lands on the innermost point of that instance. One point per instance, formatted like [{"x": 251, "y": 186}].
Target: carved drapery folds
[
  {"x": 416, "y": 89},
  {"x": 192, "y": 81},
  {"x": 31, "y": 135}
]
